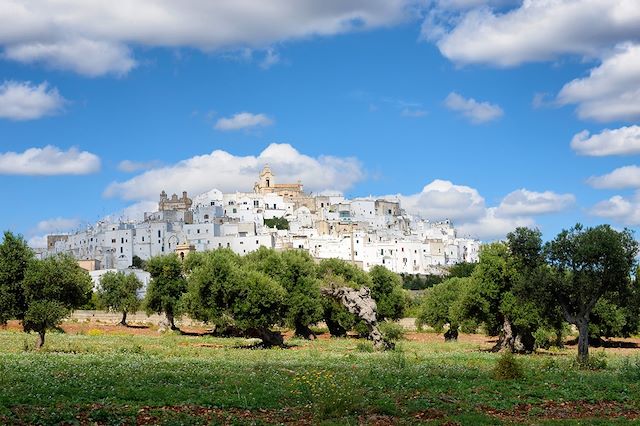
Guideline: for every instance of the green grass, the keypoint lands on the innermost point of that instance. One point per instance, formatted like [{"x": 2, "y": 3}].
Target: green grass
[{"x": 171, "y": 379}]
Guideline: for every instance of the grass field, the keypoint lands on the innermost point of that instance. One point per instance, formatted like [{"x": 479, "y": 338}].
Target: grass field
[{"x": 122, "y": 376}]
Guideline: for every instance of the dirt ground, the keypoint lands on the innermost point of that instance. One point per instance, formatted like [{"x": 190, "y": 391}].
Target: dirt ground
[{"x": 623, "y": 346}]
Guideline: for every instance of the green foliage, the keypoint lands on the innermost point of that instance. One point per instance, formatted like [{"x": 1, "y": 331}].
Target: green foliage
[
  {"x": 258, "y": 301},
  {"x": 15, "y": 256},
  {"x": 386, "y": 290},
  {"x": 420, "y": 282},
  {"x": 118, "y": 292},
  {"x": 226, "y": 290},
  {"x": 392, "y": 331},
  {"x": 137, "y": 262},
  {"x": 591, "y": 266},
  {"x": 461, "y": 270},
  {"x": 508, "y": 368},
  {"x": 439, "y": 304},
  {"x": 277, "y": 222},
  {"x": 340, "y": 273},
  {"x": 52, "y": 288},
  {"x": 597, "y": 361},
  {"x": 166, "y": 287}
]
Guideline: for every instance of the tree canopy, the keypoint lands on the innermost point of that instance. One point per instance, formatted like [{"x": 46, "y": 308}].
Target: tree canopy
[
  {"x": 118, "y": 292},
  {"x": 52, "y": 288}
]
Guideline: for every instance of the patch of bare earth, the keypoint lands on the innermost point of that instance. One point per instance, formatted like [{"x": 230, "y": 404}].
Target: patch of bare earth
[
  {"x": 152, "y": 415},
  {"x": 551, "y": 410}
]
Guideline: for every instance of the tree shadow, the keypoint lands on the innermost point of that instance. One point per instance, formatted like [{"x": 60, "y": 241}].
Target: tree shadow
[{"x": 606, "y": 343}]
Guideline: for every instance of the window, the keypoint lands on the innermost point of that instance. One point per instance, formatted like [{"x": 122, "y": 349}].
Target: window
[
  {"x": 121, "y": 240},
  {"x": 113, "y": 241},
  {"x": 159, "y": 233},
  {"x": 143, "y": 239},
  {"x": 120, "y": 249},
  {"x": 228, "y": 245},
  {"x": 198, "y": 231},
  {"x": 257, "y": 242},
  {"x": 206, "y": 216}
]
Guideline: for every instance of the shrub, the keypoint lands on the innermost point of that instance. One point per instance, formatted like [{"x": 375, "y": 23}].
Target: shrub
[
  {"x": 630, "y": 369},
  {"x": 596, "y": 361},
  {"x": 392, "y": 331},
  {"x": 508, "y": 367}
]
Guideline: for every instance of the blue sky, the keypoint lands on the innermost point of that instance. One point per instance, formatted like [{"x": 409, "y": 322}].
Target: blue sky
[{"x": 464, "y": 110}]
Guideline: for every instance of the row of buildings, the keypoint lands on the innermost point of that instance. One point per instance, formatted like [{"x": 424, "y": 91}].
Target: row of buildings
[{"x": 366, "y": 231}]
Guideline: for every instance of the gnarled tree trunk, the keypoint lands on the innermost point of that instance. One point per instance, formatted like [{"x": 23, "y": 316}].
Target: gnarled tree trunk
[
  {"x": 40, "y": 341},
  {"x": 583, "y": 339},
  {"x": 269, "y": 338},
  {"x": 172, "y": 322},
  {"x": 515, "y": 341},
  {"x": 302, "y": 330},
  {"x": 360, "y": 303},
  {"x": 123, "y": 322},
  {"x": 451, "y": 335}
]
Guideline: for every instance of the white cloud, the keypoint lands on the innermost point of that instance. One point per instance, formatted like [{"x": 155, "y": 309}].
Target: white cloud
[
  {"x": 48, "y": 161},
  {"x": 622, "y": 177},
  {"x": 538, "y": 30},
  {"x": 46, "y": 227},
  {"x": 38, "y": 242},
  {"x": 58, "y": 224},
  {"x": 622, "y": 141},
  {"x": 133, "y": 212},
  {"x": 271, "y": 58},
  {"x": 26, "y": 101},
  {"x": 129, "y": 166},
  {"x": 229, "y": 173},
  {"x": 612, "y": 90},
  {"x": 523, "y": 202},
  {"x": 477, "y": 112},
  {"x": 464, "y": 205},
  {"x": 243, "y": 120},
  {"x": 620, "y": 209},
  {"x": 86, "y": 57},
  {"x": 441, "y": 199},
  {"x": 95, "y": 37},
  {"x": 492, "y": 225},
  {"x": 414, "y": 112}
]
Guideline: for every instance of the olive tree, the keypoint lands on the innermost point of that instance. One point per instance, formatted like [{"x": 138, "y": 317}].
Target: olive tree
[
  {"x": 166, "y": 287},
  {"x": 118, "y": 292},
  {"x": 439, "y": 307},
  {"x": 15, "y": 256},
  {"x": 235, "y": 297},
  {"x": 52, "y": 288},
  {"x": 341, "y": 274},
  {"x": 590, "y": 265},
  {"x": 295, "y": 271}
]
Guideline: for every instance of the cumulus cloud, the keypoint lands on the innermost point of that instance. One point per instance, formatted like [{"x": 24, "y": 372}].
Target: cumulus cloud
[
  {"x": 622, "y": 141},
  {"x": 492, "y": 225},
  {"x": 523, "y": 202},
  {"x": 441, "y": 199},
  {"x": 477, "y": 112},
  {"x": 243, "y": 120},
  {"x": 37, "y": 242},
  {"x": 133, "y": 212},
  {"x": 622, "y": 177},
  {"x": 537, "y": 30},
  {"x": 90, "y": 58},
  {"x": 58, "y": 224},
  {"x": 464, "y": 205},
  {"x": 95, "y": 37},
  {"x": 129, "y": 166},
  {"x": 48, "y": 161},
  {"x": 228, "y": 173},
  {"x": 46, "y": 227},
  {"x": 619, "y": 209},
  {"x": 612, "y": 90},
  {"x": 26, "y": 101}
]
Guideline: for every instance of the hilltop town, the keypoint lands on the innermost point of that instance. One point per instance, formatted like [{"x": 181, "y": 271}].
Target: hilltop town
[{"x": 365, "y": 231}]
